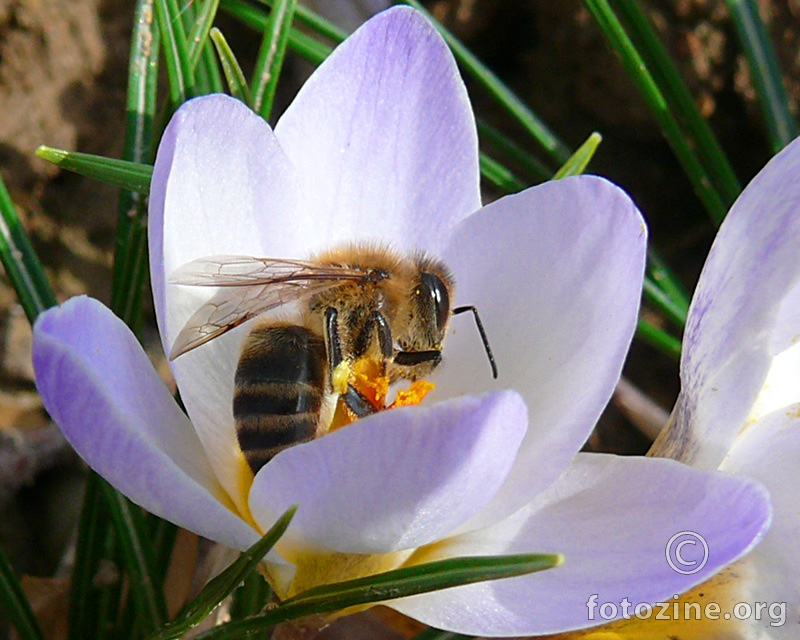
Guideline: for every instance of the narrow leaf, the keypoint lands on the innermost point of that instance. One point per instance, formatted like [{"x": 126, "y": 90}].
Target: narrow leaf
[
  {"x": 230, "y": 67},
  {"x": 681, "y": 103},
  {"x": 398, "y": 583},
  {"x": 128, "y": 175},
  {"x": 21, "y": 262},
  {"x": 223, "y": 585},
  {"x": 198, "y": 35},
  {"x": 514, "y": 152},
  {"x": 271, "y": 55},
  {"x": 654, "y": 295},
  {"x": 251, "y": 597},
  {"x": 667, "y": 281},
  {"x": 765, "y": 72},
  {"x": 659, "y": 338},
  {"x": 579, "y": 160},
  {"x": 301, "y": 43},
  {"x": 180, "y": 71},
  {"x": 139, "y": 559},
  {"x": 15, "y": 605},
  {"x": 636, "y": 67},
  {"x": 499, "y": 176}
]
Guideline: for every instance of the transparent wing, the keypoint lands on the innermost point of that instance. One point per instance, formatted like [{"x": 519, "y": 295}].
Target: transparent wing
[
  {"x": 251, "y": 286},
  {"x": 239, "y": 271}
]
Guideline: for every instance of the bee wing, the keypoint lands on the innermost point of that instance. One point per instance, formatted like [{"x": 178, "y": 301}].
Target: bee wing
[
  {"x": 251, "y": 286},
  {"x": 239, "y": 271}
]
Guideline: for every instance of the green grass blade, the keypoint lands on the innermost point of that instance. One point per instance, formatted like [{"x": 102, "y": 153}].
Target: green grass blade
[
  {"x": 301, "y": 43},
  {"x": 500, "y": 142},
  {"x": 125, "y": 174},
  {"x": 656, "y": 297},
  {"x": 271, "y": 55},
  {"x": 198, "y": 35},
  {"x": 130, "y": 247},
  {"x": 660, "y": 273},
  {"x": 499, "y": 176},
  {"x": 15, "y": 605},
  {"x": 557, "y": 150},
  {"x": 139, "y": 559},
  {"x": 21, "y": 262},
  {"x": 659, "y": 338},
  {"x": 399, "y": 583},
  {"x": 251, "y": 597},
  {"x": 234, "y": 75},
  {"x": 765, "y": 72},
  {"x": 636, "y": 67},
  {"x": 92, "y": 604},
  {"x": 315, "y": 22},
  {"x": 579, "y": 160},
  {"x": 224, "y": 584},
  {"x": 180, "y": 71},
  {"x": 679, "y": 98}
]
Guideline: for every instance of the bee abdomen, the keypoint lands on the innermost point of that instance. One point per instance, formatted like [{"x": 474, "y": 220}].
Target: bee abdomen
[{"x": 280, "y": 382}]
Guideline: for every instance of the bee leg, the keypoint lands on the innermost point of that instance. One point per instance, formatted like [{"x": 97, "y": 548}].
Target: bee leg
[
  {"x": 377, "y": 322},
  {"x": 352, "y": 397},
  {"x": 411, "y": 358},
  {"x": 358, "y": 403}
]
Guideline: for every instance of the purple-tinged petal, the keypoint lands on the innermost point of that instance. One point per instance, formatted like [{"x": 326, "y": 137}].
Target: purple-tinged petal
[
  {"x": 99, "y": 387},
  {"x": 769, "y": 451},
  {"x": 612, "y": 518},
  {"x": 383, "y": 138},
  {"x": 556, "y": 273},
  {"x": 742, "y": 311},
  {"x": 395, "y": 480},
  {"x": 221, "y": 185}
]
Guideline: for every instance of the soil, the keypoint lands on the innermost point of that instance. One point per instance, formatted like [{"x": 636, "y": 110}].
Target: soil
[{"x": 63, "y": 74}]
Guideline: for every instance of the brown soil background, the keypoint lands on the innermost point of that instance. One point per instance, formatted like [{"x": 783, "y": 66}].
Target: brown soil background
[{"x": 63, "y": 74}]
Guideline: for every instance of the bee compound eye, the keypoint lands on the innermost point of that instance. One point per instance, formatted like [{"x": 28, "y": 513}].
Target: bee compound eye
[{"x": 433, "y": 288}]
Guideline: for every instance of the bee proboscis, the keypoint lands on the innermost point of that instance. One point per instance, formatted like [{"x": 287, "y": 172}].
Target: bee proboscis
[{"x": 355, "y": 302}]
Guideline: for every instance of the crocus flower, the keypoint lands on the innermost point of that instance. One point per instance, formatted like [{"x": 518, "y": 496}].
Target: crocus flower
[
  {"x": 739, "y": 409},
  {"x": 380, "y": 145}
]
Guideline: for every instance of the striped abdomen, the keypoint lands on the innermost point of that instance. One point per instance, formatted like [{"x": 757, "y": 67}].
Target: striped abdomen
[{"x": 279, "y": 389}]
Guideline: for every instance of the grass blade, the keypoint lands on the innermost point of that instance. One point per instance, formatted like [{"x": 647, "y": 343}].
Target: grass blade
[
  {"x": 180, "y": 71},
  {"x": 659, "y": 338},
  {"x": 579, "y": 160},
  {"x": 636, "y": 67},
  {"x": 271, "y": 55},
  {"x": 511, "y": 150},
  {"x": 223, "y": 585},
  {"x": 128, "y": 175},
  {"x": 399, "y": 583},
  {"x": 679, "y": 98},
  {"x": 234, "y": 76},
  {"x": 21, "y": 262},
  {"x": 16, "y": 605},
  {"x": 655, "y": 296},
  {"x": 662, "y": 276},
  {"x": 499, "y": 176},
  {"x": 139, "y": 559},
  {"x": 198, "y": 35},
  {"x": 765, "y": 72}
]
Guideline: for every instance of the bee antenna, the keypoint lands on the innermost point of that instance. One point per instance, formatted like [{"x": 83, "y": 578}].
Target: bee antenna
[{"x": 482, "y": 331}]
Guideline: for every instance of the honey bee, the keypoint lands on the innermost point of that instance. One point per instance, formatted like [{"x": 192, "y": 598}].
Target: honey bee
[{"x": 355, "y": 302}]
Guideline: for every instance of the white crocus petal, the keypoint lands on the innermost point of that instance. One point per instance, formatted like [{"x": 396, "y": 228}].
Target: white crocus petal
[
  {"x": 395, "y": 480},
  {"x": 612, "y": 520},
  {"x": 769, "y": 451},
  {"x": 556, "y": 273},
  {"x": 384, "y": 139},
  {"x": 742, "y": 310},
  {"x": 219, "y": 175},
  {"x": 98, "y": 385}
]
